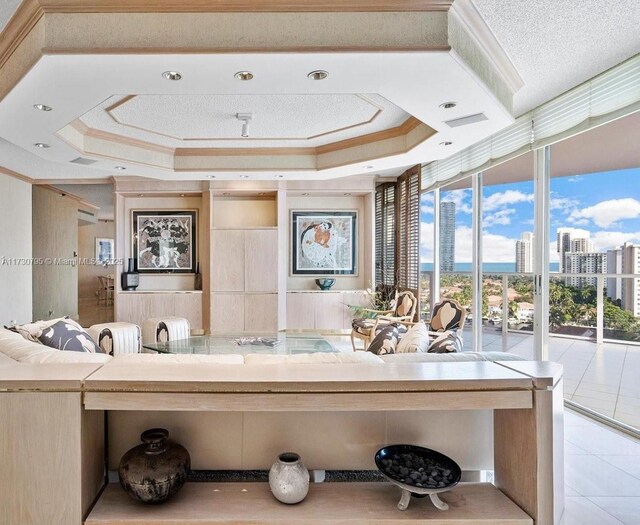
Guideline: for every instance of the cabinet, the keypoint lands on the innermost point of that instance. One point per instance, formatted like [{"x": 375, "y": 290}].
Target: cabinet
[
  {"x": 137, "y": 307},
  {"x": 322, "y": 310},
  {"x": 244, "y": 280}
]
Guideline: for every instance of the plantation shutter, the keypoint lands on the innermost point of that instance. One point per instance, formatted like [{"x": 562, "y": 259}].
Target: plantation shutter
[
  {"x": 385, "y": 234},
  {"x": 408, "y": 245}
]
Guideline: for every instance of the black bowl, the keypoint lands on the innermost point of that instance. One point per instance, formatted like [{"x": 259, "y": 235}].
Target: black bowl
[
  {"x": 430, "y": 456},
  {"x": 325, "y": 284}
]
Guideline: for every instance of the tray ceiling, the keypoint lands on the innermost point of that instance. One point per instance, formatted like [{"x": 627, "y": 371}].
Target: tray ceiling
[{"x": 277, "y": 120}]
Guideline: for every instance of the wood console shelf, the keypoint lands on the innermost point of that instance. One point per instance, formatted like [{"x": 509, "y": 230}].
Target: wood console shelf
[{"x": 326, "y": 504}]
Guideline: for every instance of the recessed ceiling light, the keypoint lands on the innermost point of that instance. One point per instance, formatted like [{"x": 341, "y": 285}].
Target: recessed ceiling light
[
  {"x": 347, "y": 194},
  {"x": 279, "y": 176},
  {"x": 244, "y": 176},
  {"x": 261, "y": 194},
  {"x": 368, "y": 167},
  {"x": 446, "y": 143},
  {"x": 140, "y": 194},
  {"x": 171, "y": 75},
  {"x": 42, "y": 107},
  {"x": 244, "y": 75},
  {"x": 182, "y": 195},
  {"x": 319, "y": 74},
  {"x": 211, "y": 176},
  {"x": 120, "y": 168},
  {"x": 305, "y": 194},
  {"x": 41, "y": 145},
  {"x": 448, "y": 105},
  {"x": 226, "y": 194}
]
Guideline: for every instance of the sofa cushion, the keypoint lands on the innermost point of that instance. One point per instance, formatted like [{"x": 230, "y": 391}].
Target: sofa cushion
[
  {"x": 313, "y": 358},
  {"x": 447, "y": 342},
  {"x": 415, "y": 340},
  {"x": 18, "y": 348},
  {"x": 385, "y": 342},
  {"x": 221, "y": 359},
  {"x": 69, "y": 336}
]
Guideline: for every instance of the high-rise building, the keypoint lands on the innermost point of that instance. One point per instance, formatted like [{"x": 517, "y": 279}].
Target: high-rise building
[
  {"x": 563, "y": 245},
  {"x": 447, "y": 236},
  {"x": 524, "y": 253},
  {"x": 581, "y": 245},
  {"x": 626, "y": 259},
  {"x": 580, "y": 263}
]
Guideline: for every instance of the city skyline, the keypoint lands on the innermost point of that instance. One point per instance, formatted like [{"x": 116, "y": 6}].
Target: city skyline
[{"x": 604, "y": 207}]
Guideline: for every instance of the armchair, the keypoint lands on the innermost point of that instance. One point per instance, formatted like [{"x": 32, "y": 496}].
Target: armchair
[{"x": 405, "y": 304}]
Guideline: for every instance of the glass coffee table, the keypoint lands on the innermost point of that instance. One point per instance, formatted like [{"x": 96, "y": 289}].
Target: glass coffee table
[{"x": 283, "y": 344}]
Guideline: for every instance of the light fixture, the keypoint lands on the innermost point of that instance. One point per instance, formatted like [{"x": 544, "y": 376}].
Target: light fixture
[
  {"x": 261, "y": 194},
  {"x": 448, "y": 105},
  {"x": 120, "y": 168},
  {"x": 41, "y": 145},
  {"x": 226, "y": 194},
  {"x": 42, "y": 107},
  {"x": 140, "y": 194},
  {"x": 244, "y": 176},
  {"x": 305, "y": 194},
  {"x": 171, "y": 75},
  {"x": 318, "y": 74},
  {"x": 244, "y": 75},
  {"x": 368, "y": 167},
  {"x": 211, "y": 176},
  {"x": 347, "y": 194},
  {"x": 182, "y": 195},
  {"x": 245, "y": 118},
  {"x": 279, "y": 176},
  {"x": 446, "y": 143}
]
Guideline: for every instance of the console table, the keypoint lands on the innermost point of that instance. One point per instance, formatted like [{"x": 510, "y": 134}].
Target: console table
[{"x": 526, "y": 398}]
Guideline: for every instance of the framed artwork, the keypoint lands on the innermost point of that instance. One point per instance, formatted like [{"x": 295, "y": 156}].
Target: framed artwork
[
  {"x": 164, "y": 241},
  {"x": 323, "y": 242},
  {"x": 104, "y": 250}
]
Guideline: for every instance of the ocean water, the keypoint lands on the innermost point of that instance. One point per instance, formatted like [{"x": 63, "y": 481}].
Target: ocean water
[{"x": 486, "y": 267}]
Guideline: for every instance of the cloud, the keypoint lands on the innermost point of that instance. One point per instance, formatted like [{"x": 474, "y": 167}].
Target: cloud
[
  {"x": 461, "y": 198},
  {"x": 500, "y": 217},
  {"x": 608, "y": 213},
  {"x": 603, "y": 241},
  {"x": 426, "y": 209},
  {"x": 505, "y": 198},
  {"x": 426, "y": 242},
  {"x": 577, "y": 178},
  {"x": 563, "y": 204},
  {"x": 495, "y": 248}
]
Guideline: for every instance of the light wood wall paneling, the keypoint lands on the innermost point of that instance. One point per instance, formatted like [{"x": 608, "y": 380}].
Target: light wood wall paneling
[
  {"x": 55, "y": 236},
  {"x": 261, "y": 261},
  {"x": 227, "y": 312},
  {"x": 228, "y": 260},
  {"x": 301, "y": 311},
  {"x": 283, "y": 257},
  {"x": 93, "y": 453},
  {"x": 42, "y": 466},
  {"x": 261, "y": 312}
]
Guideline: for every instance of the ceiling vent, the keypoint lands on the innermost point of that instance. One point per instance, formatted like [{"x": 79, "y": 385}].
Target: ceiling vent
[
  {"x": 83, "y": 162},
  {"x": 464, "y": 121}
]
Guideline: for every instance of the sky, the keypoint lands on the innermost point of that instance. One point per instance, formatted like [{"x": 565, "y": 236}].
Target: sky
[{"x": 603, "y": 206}]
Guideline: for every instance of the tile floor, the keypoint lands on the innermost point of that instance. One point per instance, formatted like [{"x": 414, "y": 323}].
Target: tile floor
[{"x": 602, "y": 474}]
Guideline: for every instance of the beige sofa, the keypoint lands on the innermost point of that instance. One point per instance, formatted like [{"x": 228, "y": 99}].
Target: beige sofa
[{"x": 15, "y": 349}]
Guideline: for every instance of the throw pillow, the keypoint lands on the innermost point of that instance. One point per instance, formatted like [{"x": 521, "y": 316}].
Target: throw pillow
[
  {"x": 415, "y": 340},
  {"x": 446, "y": 342},
  {"x": 68, "y": 335},
  {"x": 385, "y": 342},
  {"x": 33, "y": 331}
]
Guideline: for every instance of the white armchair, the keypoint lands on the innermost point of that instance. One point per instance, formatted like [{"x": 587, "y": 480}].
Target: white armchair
[{"x": 117, "y": 338}]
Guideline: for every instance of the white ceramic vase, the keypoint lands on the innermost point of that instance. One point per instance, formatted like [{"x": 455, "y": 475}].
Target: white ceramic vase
[{"x": 289, "y": 479}]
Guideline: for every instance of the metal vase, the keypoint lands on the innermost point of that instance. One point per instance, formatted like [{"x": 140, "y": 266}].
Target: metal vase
[
  {"x": 156, "y": 470},
  {"x": 289, "y": 479}
]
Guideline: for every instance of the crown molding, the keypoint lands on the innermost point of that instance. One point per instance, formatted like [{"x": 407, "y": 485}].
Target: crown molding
[
  {"x": 16, "y": 175},
  {"x": 470, "y": 18}
]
